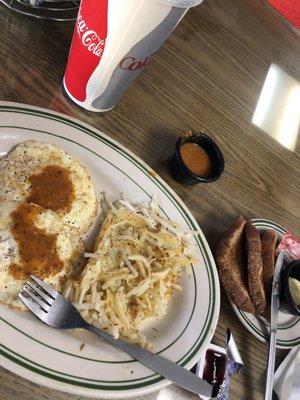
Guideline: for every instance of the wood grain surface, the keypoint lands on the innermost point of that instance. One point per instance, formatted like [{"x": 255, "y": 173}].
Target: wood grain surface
[{"x": 208, "y": 75}]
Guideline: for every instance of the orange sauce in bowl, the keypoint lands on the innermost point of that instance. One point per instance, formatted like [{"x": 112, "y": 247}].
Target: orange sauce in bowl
[{"x": 196, "y": 159}]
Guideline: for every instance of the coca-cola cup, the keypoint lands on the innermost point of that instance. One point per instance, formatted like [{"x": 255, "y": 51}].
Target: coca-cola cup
[{"x": 113, "y": 41}]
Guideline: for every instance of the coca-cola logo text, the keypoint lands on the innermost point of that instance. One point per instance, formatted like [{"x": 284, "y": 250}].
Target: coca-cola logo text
[
  {"x": 132, "y": 64},
  {"x": 89, "y": 38}
]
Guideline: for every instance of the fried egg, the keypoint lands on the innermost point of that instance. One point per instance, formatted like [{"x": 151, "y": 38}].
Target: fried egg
[
  {"x": 34, "y": 240},
  {"x": 44, "y": 174}
]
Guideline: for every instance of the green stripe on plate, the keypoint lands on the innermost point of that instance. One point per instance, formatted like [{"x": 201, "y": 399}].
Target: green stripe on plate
[
  {"x": 175, "y": 200},
  {"x": 194, "y": 279},
  {"x": 283, "y": 343},
  {"x": 52, "y": 374},
  {"x": 263, "y": 223}
]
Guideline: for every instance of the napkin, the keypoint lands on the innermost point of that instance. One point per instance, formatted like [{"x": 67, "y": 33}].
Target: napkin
[{"x": 287, "y": 377}]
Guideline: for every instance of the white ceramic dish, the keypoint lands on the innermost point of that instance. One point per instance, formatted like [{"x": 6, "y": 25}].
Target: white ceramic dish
[
  {"x": 288, "y": 334},
  {"x": 56, "y": 358}
]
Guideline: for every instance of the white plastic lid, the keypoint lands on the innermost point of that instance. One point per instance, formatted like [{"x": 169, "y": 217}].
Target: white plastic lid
[{"x": 181, "y": 3}]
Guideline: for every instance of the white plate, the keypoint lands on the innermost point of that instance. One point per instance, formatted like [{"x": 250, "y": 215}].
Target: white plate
[
  {"x": 288, "y": 333},
  {"x": 54, "y": 358}
]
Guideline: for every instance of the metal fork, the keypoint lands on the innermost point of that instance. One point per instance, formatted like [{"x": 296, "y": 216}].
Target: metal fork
[{"x": 54, "y": 310}]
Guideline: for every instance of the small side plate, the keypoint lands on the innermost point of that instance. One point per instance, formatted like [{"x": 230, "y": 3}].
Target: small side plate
[{"x": 288, "y": 334}]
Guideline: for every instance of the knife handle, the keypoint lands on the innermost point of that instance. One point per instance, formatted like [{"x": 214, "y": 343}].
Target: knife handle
[
  {"x": 275, "y": 302},
  {"x": 271, "y": 365}
]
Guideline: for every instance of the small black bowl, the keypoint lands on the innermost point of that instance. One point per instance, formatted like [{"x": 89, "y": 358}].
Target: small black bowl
[
  {"x": 183, "y": 174},
  {"x": 287, "y": 304}
]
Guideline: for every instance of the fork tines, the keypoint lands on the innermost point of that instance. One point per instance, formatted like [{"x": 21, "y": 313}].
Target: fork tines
[{"x": 37, "y": 296}]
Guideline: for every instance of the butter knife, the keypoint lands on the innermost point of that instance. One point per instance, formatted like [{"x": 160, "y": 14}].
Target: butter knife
[{"x": 275, "y": 302}]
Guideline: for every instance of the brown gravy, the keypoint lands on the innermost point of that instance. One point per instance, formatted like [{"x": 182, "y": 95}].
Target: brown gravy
[
  {"x": 37, "y": 249},
  {"x": 196, "y": 159},
  {"x": 52, "y": 188}
]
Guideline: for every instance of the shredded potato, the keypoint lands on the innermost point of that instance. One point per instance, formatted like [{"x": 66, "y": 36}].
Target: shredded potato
[{"x": 135, "y": 268}]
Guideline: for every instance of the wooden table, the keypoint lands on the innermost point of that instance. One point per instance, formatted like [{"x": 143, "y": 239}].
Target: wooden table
[{"x": 209, "y": 75}]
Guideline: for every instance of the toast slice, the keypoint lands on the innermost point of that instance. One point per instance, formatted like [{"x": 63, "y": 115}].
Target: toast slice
[
  {"x": 255, "y": 268},
  {"x": 231, "y": 263},
  {"x": 268, "y": 247}
]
